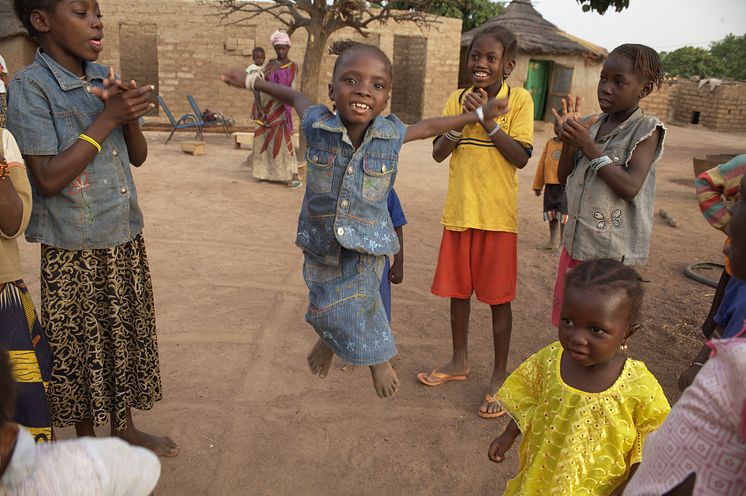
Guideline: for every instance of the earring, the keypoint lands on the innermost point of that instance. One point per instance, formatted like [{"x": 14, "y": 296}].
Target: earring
[
  {"x": 623, "y": 347},
  {"x": 505, "y": 76}
]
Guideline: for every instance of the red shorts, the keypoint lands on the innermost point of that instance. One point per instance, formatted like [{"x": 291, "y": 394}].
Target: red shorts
[
  {"x": 480, "y": 262},
  {"x": 566, "y": 262}
]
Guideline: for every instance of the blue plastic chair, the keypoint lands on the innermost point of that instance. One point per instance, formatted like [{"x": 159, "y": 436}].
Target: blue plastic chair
[
  {"x": 220, "y": 119},
  {"x": 186, "y": 121}
]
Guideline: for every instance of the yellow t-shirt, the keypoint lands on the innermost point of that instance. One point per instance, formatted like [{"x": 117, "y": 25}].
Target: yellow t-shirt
[
  {"x": 482, "y": 184},
  {"x": 576, "y": 442}
]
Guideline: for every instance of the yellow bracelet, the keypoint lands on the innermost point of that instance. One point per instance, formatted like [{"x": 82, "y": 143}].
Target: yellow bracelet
[{"x": 90, "y": 140}]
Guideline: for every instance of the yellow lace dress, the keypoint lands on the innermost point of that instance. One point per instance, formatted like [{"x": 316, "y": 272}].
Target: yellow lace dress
[{"x": 576, "y": 442}]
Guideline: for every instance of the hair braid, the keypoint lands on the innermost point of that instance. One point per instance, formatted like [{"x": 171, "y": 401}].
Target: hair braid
[
  {"x": 646, "y": 62},
  {"x": 607, "y": 275},
  {"x": 344, "y": 48}
]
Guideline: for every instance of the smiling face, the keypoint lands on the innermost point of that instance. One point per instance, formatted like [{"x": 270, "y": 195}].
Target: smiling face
[
  {"x": 593, "y": 325},
  {"x": 485, "y": 62},
  {"x": 71, "y": 32},
  {"x": 361, "y": 87},
  {"x": 737, "y": 231},
  {"x": 619, "y": 87}
]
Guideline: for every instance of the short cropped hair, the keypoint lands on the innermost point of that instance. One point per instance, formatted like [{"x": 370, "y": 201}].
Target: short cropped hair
[
  {"x": 344, "y": 48},
  {"x": 24, "y": 8}
]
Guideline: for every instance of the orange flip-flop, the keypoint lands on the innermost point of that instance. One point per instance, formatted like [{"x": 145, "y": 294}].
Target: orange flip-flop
[
  {"x": 490, "y": 399},
  {"x": 436, "y": 378}
]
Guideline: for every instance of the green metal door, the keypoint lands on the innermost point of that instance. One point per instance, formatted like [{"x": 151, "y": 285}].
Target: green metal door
[{"x": 536, "y": 84}]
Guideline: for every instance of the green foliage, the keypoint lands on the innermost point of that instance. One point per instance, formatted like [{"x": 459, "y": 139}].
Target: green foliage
[
  {"x": 725, "y": 59},
  {"x": 473, "y": 13},
  {"x": 691, "y": 61},
  {"x": 731, "y": 50},
  {"x": 600, "y": 6}
]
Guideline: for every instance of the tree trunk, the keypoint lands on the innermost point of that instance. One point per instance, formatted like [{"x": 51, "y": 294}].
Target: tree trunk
[
  {"x": 310, "y": 79},
  {"x": 315, "y": 49}
]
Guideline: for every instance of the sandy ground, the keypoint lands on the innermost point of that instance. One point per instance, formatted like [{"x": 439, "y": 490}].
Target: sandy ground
[{"x": 239, "y": 399}]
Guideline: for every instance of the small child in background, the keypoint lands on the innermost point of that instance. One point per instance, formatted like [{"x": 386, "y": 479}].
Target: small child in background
[
  {"x": 344, "y": 227},
  {"x": 86, "y": 466},
  {"x": 393, "y": 273},
  {"x": 608, "y": 166},
  {"x": 257, "y": 57},
  {"x": 555, "y": 201},
  {"x": 583, "y": 407}
]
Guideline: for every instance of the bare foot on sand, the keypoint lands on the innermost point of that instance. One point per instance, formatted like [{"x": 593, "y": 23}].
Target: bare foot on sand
[
  {"x": 160, "y": 445},
  {"x": 385, "y": 381},
  {"x": 320, "y": 359}
]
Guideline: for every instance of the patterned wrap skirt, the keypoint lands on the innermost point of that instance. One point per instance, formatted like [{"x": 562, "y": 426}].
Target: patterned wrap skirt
[
  {"x": 22, "y": 337},
  {"x": 98, "y": 311},
  {"x": 345, "y": 307}
]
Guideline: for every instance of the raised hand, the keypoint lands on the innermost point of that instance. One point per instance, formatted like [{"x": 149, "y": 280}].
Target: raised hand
[
  {"x": 234, "y": 77},
  {"x": 570, "y": 110}
]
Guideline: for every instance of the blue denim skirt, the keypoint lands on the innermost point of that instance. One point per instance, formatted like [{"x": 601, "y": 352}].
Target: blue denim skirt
[{"x": 345, "y": 307}]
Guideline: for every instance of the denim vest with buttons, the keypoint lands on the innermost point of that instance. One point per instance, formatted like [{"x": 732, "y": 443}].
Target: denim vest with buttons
[
  {"x": 345, "y": 205},
  {"x": 48, "y": 108},
  {"x": 601, "y": 224}
]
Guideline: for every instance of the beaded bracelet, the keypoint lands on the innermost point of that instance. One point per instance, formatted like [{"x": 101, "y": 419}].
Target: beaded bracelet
[
  {"x": 4, "y": 171},
  {"x": 599, "y": 162},
  {"x": 454, "y": 136},
  {"x": 90, "y": 140}
]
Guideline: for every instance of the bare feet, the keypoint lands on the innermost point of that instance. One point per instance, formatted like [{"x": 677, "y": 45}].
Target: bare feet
[
  {"x": 385, "y": 381},
  {"x": 549, "y": 245},
  {"x": 495, "y": 383},
  {"x": 160, "y": 445},
  {"x": 320, "y": 359},
  {"x": 454, "y": 368}
]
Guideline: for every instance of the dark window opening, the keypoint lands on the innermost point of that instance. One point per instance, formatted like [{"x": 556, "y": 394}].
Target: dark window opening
[{"x": 695, "y": 117}]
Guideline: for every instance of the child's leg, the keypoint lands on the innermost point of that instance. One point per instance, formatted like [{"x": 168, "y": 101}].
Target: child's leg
[
  {"x": 160, "y": 445},
  {"x": 554, "y": 235},
  {"x": 502, "y": 327}
]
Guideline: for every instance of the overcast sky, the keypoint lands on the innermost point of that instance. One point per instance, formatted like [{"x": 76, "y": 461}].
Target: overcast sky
[{"x": 662, "y": 24}]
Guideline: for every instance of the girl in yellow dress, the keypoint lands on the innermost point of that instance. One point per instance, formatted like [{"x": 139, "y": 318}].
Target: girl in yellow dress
[{"x": 584, "y": 408}]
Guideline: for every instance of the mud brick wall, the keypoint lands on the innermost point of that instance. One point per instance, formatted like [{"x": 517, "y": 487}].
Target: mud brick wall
[
  {"x": 658, "y": 102},
  {"x": 721, "y": 109},
  {"x": 179, "y": 46}
]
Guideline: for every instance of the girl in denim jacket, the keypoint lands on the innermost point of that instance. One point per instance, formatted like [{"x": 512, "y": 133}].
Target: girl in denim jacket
[
  {"x": 608, "y": 166},
  {"x": 344, "y": 228},
  {"x": 77, "y": 127}
]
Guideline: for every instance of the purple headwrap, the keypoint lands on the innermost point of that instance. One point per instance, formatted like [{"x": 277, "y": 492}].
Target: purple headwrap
[{"x": 279, "y": 38}]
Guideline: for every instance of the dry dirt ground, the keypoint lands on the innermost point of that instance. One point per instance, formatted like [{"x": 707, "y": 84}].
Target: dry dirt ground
[{"x": 239, "y": 399}]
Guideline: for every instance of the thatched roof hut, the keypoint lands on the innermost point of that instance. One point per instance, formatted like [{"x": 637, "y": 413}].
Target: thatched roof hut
[
  {"x": 535, "y": 34},
  {"x": 550, "y": 62}
]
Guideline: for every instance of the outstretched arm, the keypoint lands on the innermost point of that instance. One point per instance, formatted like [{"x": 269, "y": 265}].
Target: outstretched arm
[
  {"x": 238, "y": 77},
  {"x": 438, "y": 125}
]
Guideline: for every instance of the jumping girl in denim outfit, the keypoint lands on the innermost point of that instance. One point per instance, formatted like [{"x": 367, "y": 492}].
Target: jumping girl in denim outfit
[
  {"x": 344, "y": 227},
  {"x": 77, "y": 127}
]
